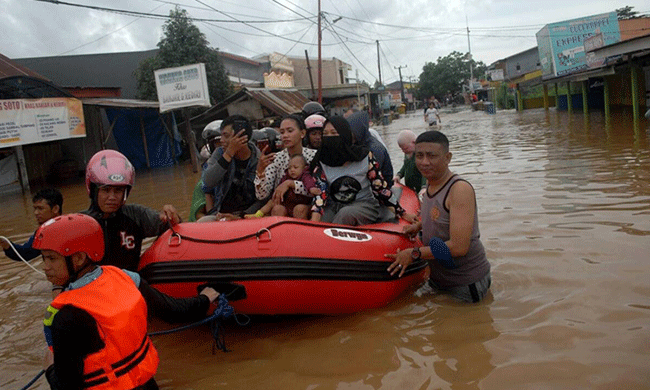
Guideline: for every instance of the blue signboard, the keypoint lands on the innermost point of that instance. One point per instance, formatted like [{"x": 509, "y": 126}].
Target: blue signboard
[{"x": 562, "y": 45}]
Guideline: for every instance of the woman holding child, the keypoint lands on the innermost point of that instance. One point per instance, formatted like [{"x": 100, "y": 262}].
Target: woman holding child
[
  {"x": 271, "y": 167},
  {"x": 349, "y": 178}
]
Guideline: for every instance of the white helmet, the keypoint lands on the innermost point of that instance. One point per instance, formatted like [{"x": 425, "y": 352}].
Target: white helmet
[{"x": 211, "y": 130}]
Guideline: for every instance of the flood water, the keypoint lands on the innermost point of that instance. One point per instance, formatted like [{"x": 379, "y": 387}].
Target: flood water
[{"x": 564, "y": 209}]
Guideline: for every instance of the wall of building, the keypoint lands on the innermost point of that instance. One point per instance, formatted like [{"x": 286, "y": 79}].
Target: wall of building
[
  {"x": 244, "y": 70},
  {"x": 522, "y": 63},
  {"x": 632, "y": 28},
  {"x": 334, "y": 72}
]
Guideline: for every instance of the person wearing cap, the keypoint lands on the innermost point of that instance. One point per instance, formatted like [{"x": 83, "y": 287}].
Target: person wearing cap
[
  {"x": 96, "y": 328},
  {"x": 314, "y": 125},
  {"x": 109, "y": 180},
  {"x": 48, "y": 203}
]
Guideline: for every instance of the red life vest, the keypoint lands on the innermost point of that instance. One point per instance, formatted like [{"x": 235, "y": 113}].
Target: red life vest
[{"x": 128, "y": 359}]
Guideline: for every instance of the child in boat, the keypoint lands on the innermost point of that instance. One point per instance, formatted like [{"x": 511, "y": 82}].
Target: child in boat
[{"x": 291, "y": 204}]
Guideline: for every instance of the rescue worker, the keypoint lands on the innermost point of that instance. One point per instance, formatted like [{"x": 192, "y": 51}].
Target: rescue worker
[
  {"x": 96, "y": 328},
  {"x": 109, "y": 179}
]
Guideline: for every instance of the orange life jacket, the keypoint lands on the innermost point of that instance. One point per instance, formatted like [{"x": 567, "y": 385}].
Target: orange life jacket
[{"x": 128, "y": 359}]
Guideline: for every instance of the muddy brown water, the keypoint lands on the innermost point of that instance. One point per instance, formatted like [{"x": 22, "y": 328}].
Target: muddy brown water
[{"x": 564, "y": 207}]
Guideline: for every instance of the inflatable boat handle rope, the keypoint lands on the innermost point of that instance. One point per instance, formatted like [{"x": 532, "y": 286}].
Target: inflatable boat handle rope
[
  {"x": 268, "y": 230},
  {"x": 11, "y": 244},
  {"x": 223, "y": 310}
]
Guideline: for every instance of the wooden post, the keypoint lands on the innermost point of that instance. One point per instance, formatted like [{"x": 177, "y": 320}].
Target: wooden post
[
  {"x": 585, "y": 105},
  {"x": 606, "y": 98},
  {"x": 144, "y": 139},
  {"x": 635, "y": 94},
  {"x": 191, "y": 140},
  {"x": 22, "y": 168},
  {"x": 546, "y": 97},
  {"x": 569, "y": 103},
  {"x": 520, "y": 100},
  {"x": 556, "y": 95}
]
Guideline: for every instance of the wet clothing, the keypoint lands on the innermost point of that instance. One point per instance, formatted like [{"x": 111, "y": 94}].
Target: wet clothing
[
  {"x": 124, "y": 231},
  {"x": 198, "y": 201},
  {"x": 360, "y": 125},
  {"x": 351, "y": 194},
  {"x": 264, "y": 186},
  {"x": 231, "y": 183},
  {"x": 25, "y": 250},
  {"x": 432, "y": 116},
  {"x": 412, "y": 177},
  {"x": 465, "y": 270},
  {"x": 291, "y": 199},
  {"x": 100, "y": 322}
]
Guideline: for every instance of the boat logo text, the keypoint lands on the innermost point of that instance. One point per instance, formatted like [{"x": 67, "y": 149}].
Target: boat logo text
[{"x": 348, "y": 235}]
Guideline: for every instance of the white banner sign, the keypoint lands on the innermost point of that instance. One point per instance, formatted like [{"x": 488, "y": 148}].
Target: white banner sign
[
  {"x": 185, "y": 86},
  {"x": 28, "y": 121}
]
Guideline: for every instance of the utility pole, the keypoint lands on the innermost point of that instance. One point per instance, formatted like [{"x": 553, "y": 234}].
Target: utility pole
[
  {"x": 311, "y": 79},
  {"x": 378, "y": 63},
  {"x": 357, "y": 81},
  {"x": 401, "y": 84},
  {"x": 469, "y": 47},
  {"x": 320, "y": 59}
]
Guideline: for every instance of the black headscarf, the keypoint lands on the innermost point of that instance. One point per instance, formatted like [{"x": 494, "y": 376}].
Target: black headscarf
[{"x": 337, "y": 150}]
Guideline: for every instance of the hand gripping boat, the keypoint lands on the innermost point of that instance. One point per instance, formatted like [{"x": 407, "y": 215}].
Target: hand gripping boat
[{"x": 286, "y": 265}]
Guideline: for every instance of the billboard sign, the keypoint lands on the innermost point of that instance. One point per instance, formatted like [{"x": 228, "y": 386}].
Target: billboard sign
[
  {"x": 562, "y": 48},
  {"x": 185, "y": 86},
  {"x": 29, "y": 121}
]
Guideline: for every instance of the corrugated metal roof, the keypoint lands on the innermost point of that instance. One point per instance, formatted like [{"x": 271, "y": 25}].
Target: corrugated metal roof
[
  {"x": 122, "y": 103},
  {"x": 10, "y": 68},
  {"x": 281, "y": 101}
]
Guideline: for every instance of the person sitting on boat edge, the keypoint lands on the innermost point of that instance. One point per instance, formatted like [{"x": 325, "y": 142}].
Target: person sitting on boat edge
[
  {"x": 413, "y": 179},
  {"x": 272, "y": 166},
  {"x": 292, "y": 204},
  {"x": 47, "y": 203},
  {"x": 110, "y": 177},
  {"x": 230, "y": 171},
  {"x": 96, "y": 328},
  {"x": 351, "y": 184},
  {"x": 455, "y": 253}
]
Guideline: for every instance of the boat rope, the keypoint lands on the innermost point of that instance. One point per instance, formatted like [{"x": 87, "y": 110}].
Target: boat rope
[
  {"x": 27, "y": 386},
  {"x": 222, "y": 312},
  {"x": 258, "y": 233},
  {"x": 11, "y": 244}
]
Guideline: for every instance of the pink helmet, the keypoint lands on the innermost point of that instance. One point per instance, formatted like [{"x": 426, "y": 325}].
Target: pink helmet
[
  {"x": 109, "y": 167},
  {"x": 315, "y": 121}
]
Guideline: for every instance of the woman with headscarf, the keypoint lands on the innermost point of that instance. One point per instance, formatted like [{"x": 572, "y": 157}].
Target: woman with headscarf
[
  {"x": 360, "y": 125},
  {"x": 351, "y": 183}
]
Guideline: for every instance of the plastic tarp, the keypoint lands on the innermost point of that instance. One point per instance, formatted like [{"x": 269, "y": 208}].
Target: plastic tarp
[
  {"x": 8, "y": 170},
  {"x": 163, "y": 144}
]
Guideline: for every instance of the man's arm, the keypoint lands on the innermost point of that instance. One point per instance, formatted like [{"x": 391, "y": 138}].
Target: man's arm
[
  {"x": 462, "y": 207},
  {"x": 25, "y": 250},
  {"x": 171, "y": 309},
  {"x": 74, "y": 336},
  {"x": 215, "y": 169}
]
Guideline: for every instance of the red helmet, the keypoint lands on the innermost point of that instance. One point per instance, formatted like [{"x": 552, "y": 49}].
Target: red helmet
[
  {"x": 69, "y": 234},
  {"x": 109, "y": 167}
]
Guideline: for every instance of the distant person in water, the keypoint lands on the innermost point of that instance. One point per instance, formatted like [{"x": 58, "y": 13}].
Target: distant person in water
[
  {"x": 48, "y": 203},
  {"x": 449, "y": 225}
]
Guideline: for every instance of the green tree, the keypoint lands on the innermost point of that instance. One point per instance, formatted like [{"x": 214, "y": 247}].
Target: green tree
[
  {"x": 183, "y": 44},
  {"x": 448, "y": 74},
  {"x": 626, "y": 13}
]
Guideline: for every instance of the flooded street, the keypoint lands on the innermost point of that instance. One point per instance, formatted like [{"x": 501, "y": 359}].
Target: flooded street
[{"x": 564, "y": 211}]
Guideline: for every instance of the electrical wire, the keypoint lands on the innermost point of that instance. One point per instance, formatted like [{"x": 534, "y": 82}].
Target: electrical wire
[{"x": 11, "y": 244}]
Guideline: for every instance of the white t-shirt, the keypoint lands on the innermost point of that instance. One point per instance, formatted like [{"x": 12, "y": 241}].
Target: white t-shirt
[{"x": 432, "y": 115}]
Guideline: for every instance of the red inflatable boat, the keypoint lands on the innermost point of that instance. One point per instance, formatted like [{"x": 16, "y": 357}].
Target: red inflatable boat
[{"x": 286, "y": 265}]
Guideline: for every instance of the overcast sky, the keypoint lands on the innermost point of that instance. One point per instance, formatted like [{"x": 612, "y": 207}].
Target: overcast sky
[{"x": 410, "y": 32}]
